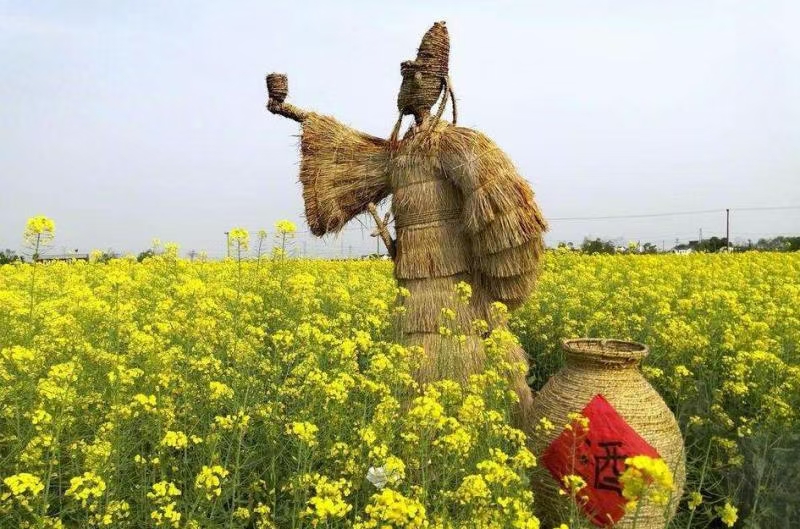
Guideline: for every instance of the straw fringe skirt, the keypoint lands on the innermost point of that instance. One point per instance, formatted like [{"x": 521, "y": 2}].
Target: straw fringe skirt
[{"x": 445, "y": 359}]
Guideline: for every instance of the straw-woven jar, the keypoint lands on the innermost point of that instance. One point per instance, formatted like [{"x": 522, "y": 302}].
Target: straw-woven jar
[{"x": 603, "y": 373}]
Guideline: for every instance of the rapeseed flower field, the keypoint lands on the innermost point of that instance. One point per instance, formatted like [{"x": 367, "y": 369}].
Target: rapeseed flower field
[{"x": 273, "y": 393}]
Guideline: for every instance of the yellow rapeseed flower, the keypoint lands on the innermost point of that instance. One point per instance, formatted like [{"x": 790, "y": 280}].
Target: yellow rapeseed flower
[
  {"x": 305, "y": 431},
  {"x": 285, "y": 227},
  {"x": 463, "y": 291},
  {"x": 328, "y": 502},
  {"x": 219, "y": 390},
  {"x": 572, "y": 484},
  {"x": 23, "y": 487},
  {"x": 646, "y": 478},
  {"x": 87, "y": 488},
  {"x": 39, "y": 231},
  {"x": 239, "y": 238},
  {"x": 209, "y": 480},
  {"x": 728, "y": 514},
  {"x": 390, "y": 508},
  {"x": 695, "y": 499},
  {"x": 174, "y": 439}
]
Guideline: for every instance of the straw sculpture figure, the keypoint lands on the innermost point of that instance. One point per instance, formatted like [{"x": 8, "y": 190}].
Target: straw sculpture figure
[{"x": 461, "y": 210}]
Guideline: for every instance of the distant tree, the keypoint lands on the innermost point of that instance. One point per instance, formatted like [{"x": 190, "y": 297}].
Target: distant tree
[
  {"x": 104, "y": 256},
  {"x": 8, "y": 256},
  {"x": 632, "y": 247},
  {"x": 714, "y": 244},
  {"x": 597, "y": 246},
  {"x": 145, "y": 254},
  {"x": 765, "y": 244},
  {"x": 649, "y": 247},
  {"x": 779, "y": 244}
]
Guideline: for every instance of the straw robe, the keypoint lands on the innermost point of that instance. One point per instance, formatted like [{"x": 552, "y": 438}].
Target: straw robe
[{"x": 462, "y": 213}]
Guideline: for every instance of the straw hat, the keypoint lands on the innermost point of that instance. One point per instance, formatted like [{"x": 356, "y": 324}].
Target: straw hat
[
  {"x": 433, "y": 53},
  {"x": 426, "y": 78}
]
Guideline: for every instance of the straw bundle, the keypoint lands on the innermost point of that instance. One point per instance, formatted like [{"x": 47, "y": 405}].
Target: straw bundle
[
  {"x": 278, "y": 86},
  {"x": 609, "y": 368},
  {"x": 431, "y": 250},
  {"x": 461, "y": 217},
  {"x": 429, "y": 295},
  {"x": 445, "y": 359},
  {"x": 342, "y": 172},
  {"x": 515, "y": 261},
  {"x": 503, "y": 223},
  {"x": 462, "y": 213},
  {"x": 425, "y": 77},
  {"x": 424, "y": 198}
]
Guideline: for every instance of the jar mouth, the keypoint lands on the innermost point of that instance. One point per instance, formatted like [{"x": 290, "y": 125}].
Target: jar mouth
[{"x": 605, "y": 350}]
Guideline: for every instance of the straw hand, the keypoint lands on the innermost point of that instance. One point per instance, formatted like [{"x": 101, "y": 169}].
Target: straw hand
[{"x": 278, "y": 89}]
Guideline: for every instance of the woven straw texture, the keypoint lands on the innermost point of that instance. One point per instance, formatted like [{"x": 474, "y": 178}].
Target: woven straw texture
[
  {"x": 610, "y": 368},
  {"x": 445, "y": 359},
  {"x": 433, "y": 53},
  {"x": 425, "y": 77},
  {"x": 278, "y": 86},
  {"x": 462, "y": 213},
  {"x": 342, "y": 171}
]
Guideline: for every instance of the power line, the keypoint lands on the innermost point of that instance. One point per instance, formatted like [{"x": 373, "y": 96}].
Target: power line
[
  {"x": 672, "y": 213},
  {"x": 623, "y": 216},
  {"x": 636, "y": 216},
  {"x": 765, "y": 208}
]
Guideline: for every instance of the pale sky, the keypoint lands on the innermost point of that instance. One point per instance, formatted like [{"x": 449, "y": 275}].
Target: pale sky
[{"x": 125, "y": 121}]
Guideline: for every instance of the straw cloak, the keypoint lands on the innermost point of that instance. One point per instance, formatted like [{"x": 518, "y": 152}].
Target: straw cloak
[{"x": 462, "y": 213}]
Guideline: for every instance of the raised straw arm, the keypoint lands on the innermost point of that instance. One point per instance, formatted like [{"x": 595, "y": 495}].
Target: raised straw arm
[
  {"x": 286, "y": 110},
  {"x": 278, "y": 89}
]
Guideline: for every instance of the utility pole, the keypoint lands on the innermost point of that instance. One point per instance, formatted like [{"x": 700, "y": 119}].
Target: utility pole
[
  {"x": 191, "y": 255},
  {"x": 701, "y": 235},
  {"x": 727, "y": 229},
  {"x": 227, "y": 244}
]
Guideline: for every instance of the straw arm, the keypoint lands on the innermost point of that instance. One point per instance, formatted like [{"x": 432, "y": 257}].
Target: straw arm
[{"x": 287, "y": 110}]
